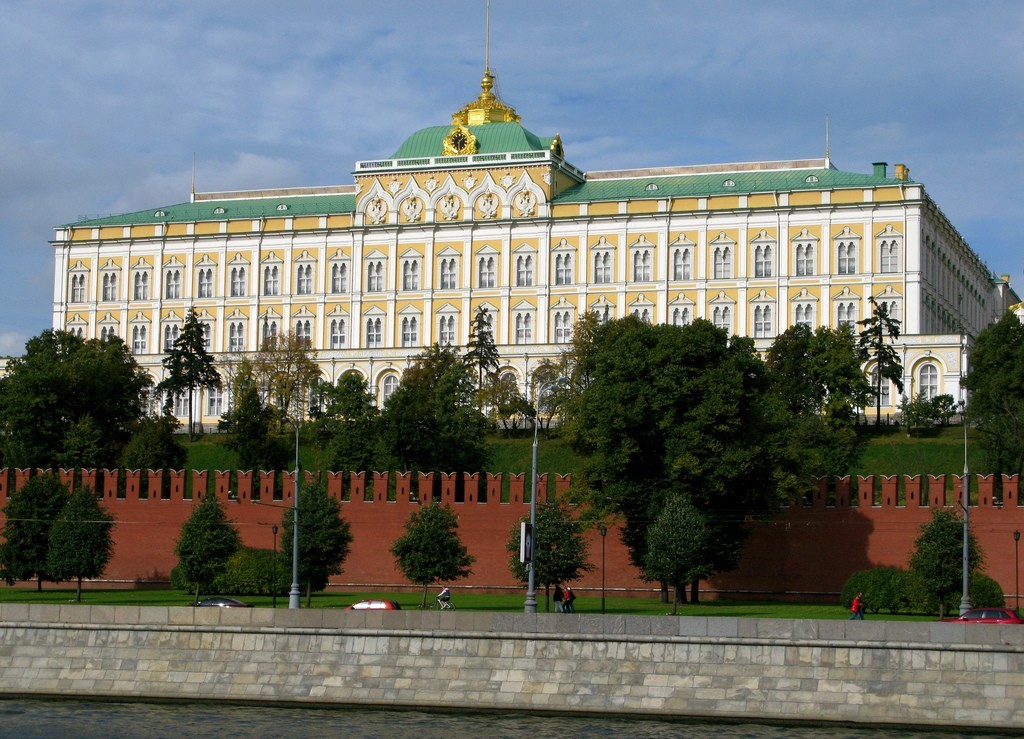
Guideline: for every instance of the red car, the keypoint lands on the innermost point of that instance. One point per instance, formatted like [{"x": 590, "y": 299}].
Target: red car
[
  {"x": 374, "y": 605},
  {"x": 989, "y": 616}
]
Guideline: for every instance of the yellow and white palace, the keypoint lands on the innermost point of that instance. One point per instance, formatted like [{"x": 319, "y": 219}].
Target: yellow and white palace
[{"x": 483, "y": 213}]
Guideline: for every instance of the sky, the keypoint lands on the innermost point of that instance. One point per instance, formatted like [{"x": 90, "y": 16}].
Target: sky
[{"x": 103, "y": 104}]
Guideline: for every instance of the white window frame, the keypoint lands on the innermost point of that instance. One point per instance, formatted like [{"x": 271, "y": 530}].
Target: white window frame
[
  {"x": 524, "y": 270},
  {"x": 486, "y": 270},
  {"x": 338, "y": 331},
  {"x": 237, "y": 287}
]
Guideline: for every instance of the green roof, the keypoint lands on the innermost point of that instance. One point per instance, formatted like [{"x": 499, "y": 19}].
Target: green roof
[
  {"x": 491, "y": 138},
  {"x": 252, "y": 208},
  {"x": 652, "y": 185}
]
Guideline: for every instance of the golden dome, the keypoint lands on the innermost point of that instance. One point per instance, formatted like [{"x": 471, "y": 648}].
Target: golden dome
[{"x": 487, "y": 108}]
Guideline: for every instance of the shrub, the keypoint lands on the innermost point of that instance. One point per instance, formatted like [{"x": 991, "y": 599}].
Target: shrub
[
  {"x": 985, "y": 592},
  {"x": 252, "y": 572},
  {"x": 885, "y": 589},
  {"x": 249, "y": 572}
]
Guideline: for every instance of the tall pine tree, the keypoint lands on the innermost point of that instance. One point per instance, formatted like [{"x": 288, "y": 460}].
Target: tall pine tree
[{"x": 189, "y": 366}]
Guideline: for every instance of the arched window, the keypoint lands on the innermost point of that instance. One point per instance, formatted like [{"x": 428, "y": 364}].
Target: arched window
[
  {"x": 603, "y": 267},
  {"x": 563, "y": 269},
  {"x": 374, "y": 336},
  {"x": 138, "y": 339},
  {"x": 486, "y": 271},
  {"x": 763, "y": 257},
  {"x": 886, "y": 389},
  {"x": 680, "y": 316},
  {"x": 304, "y": 279},
  {"x": 847, "y": 257},
  {"x": 110, "y": 286},
  {"x": 236, "y": 336},
  {"x": 763, "y": 322},
  {"x": 642, "y": 265},
  {"x": 449, "y": 274},
  {"x": 723, "y": 262},
  {"x": 172, "y": 284},
  {"x": 237, "y": 282},
  {"x": 171, "y": 334},
  {"x": 388, "y": 387},
  {"x": 524, "y": 270},
  {"x": 411, "y": 275},
  {"x": 721, "y": 317},
  {"x": 410, "y": 331},
  {"x": 681, "y": 269},
  {"x": 804, "y": 314},
  {"x": 804, "y": 259},
  {"x": 141, "y": 286},
  {"x": 446, "y": 330},
  {"x": 271, "y": 280},
  {"x": 563, "y": 327},
  {"x": 339, "y": 278},
  {"x": 524, "y": 328},
  {"x": 846, "y": 314},
  {"x": 303, "y": 331},
  {"x": 929, "y": 381},
  {"x": 337, "y": 333},
  {"x": 375, "y": 276}
]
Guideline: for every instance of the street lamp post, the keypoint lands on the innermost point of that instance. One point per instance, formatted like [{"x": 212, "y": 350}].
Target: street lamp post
[
  {"x": 1016, "y": 569},
  {"x": 530, "y": 606},
  {"x": 273, "y": 582},
  {"x": 293, "y": 594},
  {"x": 531, "y": 593},
  {"x": 965, "y": 598},
  {"x": 604, "y": 532}
]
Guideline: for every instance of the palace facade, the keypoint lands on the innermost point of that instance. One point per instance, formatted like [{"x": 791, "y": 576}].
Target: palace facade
[{"x": 483, "y": 213}]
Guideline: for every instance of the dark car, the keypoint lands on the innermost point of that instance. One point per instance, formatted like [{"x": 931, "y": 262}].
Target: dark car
[
  {"x": 374, "y": 605},
  {"x": 222, "y": 602},
  {"x": 988, "y": 616}
]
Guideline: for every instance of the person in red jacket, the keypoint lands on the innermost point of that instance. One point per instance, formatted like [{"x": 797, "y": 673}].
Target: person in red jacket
[{"x": 857, "y": 607}]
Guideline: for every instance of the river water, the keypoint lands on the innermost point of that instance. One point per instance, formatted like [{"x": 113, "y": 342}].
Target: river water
[{"x": 71, "y": 719}]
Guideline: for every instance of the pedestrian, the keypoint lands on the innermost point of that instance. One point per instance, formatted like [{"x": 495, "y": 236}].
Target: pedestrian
[
  {"x": 857, "y": 607},
  {"x": 568, "y": 600},
  {"x": 558, "y": 598}
]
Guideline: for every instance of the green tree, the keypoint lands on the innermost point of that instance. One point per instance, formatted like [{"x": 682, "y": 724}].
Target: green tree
[
  {"x": 60, "y": 381},
  {"x": 431, "y": 422},
  {"x": 249, "y": 424},
  {"x": 820, "y": 383},
  {"x": 430, "y": 550},
  {"x": 559, "y": 549},
  {"x": 28, "y": 521},
  {"x": 154, "y": 445},
  {"x": 345, "y": 419},
  {"x": 481, "y": 351},
  {"x": 679, "y": 411},
  {"x": 207, "y": 541},
  {"x": 876, "y": 337},
  {"x": 996, "y": 384},
  {"x": 189, "y": 366},
  {"x": 937, "y": 560},
  {"x": 324, "y": 538},
  {"x": 285, "y": 370},
  {"x": 505, "y": 402},
  {"x": 679, "y": 548},
  {"x": 81, "y": 542}
]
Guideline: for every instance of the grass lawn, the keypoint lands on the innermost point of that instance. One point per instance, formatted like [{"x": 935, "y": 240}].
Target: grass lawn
[
  {"x": 889, "y": 451},
  {"x": 465, "y": 601}
]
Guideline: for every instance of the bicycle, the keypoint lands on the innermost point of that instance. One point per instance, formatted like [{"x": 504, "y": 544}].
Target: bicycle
[{"x": 442, "y": 605}]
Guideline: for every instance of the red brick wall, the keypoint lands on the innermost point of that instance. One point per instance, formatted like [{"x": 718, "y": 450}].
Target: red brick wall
[{"x": 807, "y": 550}]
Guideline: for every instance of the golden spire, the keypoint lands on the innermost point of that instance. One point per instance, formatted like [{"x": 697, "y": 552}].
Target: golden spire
[{"x": 487, "y": 108}]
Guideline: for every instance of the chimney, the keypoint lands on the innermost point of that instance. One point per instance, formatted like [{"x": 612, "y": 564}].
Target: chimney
[
  {"x": 880, "y": 168},
  {"x": 902, "y": 172}
]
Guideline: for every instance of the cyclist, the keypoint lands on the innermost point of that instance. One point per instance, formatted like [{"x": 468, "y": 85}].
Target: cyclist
[{"x": 444, "y": 598}]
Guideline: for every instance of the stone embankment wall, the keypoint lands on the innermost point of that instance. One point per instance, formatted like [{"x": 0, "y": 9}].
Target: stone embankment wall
[{"x": 934, "y": 674}]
